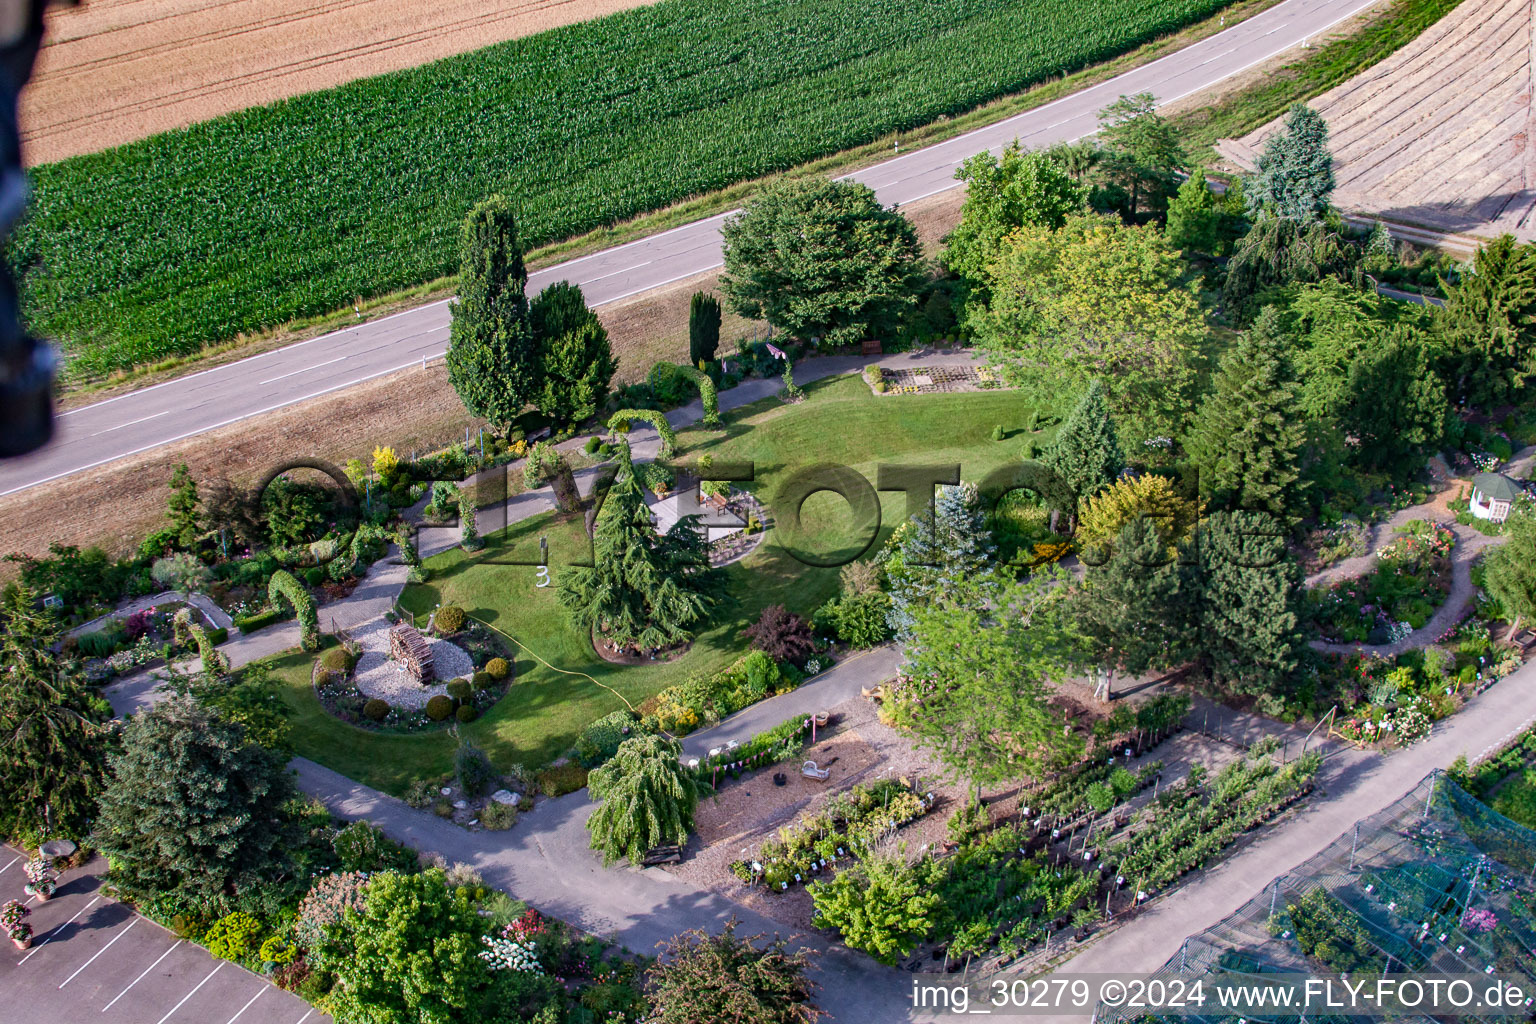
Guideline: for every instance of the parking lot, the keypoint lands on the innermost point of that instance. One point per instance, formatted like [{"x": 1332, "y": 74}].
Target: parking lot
[{"x": 93, "y": 959}]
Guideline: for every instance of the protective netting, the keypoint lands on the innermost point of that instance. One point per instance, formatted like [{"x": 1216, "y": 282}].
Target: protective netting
[{"x": 1437, "y": 882}]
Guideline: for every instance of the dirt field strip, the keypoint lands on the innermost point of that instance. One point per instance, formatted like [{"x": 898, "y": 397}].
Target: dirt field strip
[
  {"x": 1443, "y": 133},
  {"x": 112, "y": 71}
]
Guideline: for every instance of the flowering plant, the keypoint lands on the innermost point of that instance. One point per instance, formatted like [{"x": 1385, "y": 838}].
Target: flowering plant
[
  {"x": 506, "y": 954},
  {"x": 1480, "y": 920},
  {"x": 12, "y": 915}
]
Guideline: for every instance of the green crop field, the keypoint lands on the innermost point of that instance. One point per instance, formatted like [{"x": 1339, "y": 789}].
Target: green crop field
[{"x": 163, "y": 246}]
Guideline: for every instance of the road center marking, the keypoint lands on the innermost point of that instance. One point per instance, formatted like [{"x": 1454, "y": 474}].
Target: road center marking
[
  {"x": 302, "y": 369},
  {"x": 140, "y": 978},
  {"x": 131, "y": 922},
  {"x": 141, "y": 419}
]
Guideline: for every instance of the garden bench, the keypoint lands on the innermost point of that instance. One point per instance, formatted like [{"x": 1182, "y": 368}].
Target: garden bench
[
  {"x": 810, "y": 771},
  {"x": 662, "y": 855}
]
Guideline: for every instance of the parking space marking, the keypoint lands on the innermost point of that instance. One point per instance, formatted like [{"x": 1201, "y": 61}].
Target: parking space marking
[
  {"x": 54, "y": 934},
  {"x": 11, "y": 865},
  {"x": 306, "y": 1016},
  {"x": 140, "y": 978},
  {"x": 189, "y": 995},
  {"x": 247, "y": 1006},
  {"x": 131, "y": 922}
]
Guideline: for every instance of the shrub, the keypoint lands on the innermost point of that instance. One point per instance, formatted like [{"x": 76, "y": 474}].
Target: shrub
[
  {"x": 449, "y": 619},
  {"x": 259, "y": 620},
  {"x": 439, "y": 708},
  {"x": 600, "y": 740},
  {"x": 466, "y": 713},
  {"x": 314, "y": 576},
  {"x": 336, "y": 659},
  {"x": 475, "y": 772},
  {"x": 376, "y": 709},
  {"x": 459, "y": 689},
  {"x": 997, "y": 432},
  {"x": 180, "y": 571},
  {"x": 443, "y": 808},
  {"x": 498, "y": 669},
  {"x": 558, "y": 780},
  {"x": 969, "y": 819},
  {"x": 482, "y": 680},
  {"x": 98, "y": 644},
  {"x": 781, "y": 634},
  {"x": 233, "y": 936},
  {"x": 361, "y": 847},
  {"x": 422, "y": 792},
  {"x": 497, "y": 817},
  {"x": 593, "y": 444}
]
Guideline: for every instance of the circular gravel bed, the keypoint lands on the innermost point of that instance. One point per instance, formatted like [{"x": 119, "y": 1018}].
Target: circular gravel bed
[{"x": 377, "y": 676}]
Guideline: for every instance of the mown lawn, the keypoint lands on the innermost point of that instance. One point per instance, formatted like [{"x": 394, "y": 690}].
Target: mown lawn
[{"x": 840, "y": 422}]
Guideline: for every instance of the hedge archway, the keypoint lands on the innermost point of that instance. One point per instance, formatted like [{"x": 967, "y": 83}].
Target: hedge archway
[
  {"x": 654, "y": 418},
  {"x": 546, "y": 463},
  {"x": 708, "y": 395},
  {"x": 186, "y": 629},
  {"x": 285, "y": 588}
]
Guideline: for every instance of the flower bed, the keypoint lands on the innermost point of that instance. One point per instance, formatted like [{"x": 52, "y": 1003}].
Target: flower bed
[
  {"x": 682, "y": 708},
  {"x": 845, "y": 826},
  {"x": 782, "y": 742},
  {"x": 1411, "y": 580}
]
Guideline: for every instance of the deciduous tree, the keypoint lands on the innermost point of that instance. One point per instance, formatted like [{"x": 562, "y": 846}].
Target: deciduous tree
[
  {"x": 493, "y": 358},
  {"x": 728, "y": 980},
  {"x": 1097, "y": 298},
  {"x": 820, "y": 258},
  {"x": 1004, "y": 194},
  {"x": 879, "y": 905},
  {"x": 1510, "y": 571}
]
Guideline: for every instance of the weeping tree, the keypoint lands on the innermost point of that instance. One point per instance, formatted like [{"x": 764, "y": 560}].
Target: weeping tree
[
  {"x": 643, "y": 588},
  {"x": 284, "y": 588},
  {"x": 647, "y": 800}
]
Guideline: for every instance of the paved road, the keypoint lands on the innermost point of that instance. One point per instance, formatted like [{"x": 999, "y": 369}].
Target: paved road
[{"x": 96, "y": 434}]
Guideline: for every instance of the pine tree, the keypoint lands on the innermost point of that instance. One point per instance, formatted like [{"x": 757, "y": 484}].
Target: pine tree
[
  {"x": 54, "y": 730},
  {"x": 1144, "y": 153},
  {"x": 646, "y": 799},
  {"x": 642, "y": 589},
  {"x": 947, "y": 542},
  {"x": 1488, "y": 324},
  {"x": 1294, "y": 178},
  {"x": 182, "y": 507},
  {"x": 1248, "y": 629},
  {"x": 703, "y": 329},
  {"x": 1194, "y": 222},
  {"x": 1249, "y": 432},
  {"x": 1397, "y": 407},
  {"x": 577, "y": 361},
  {"x": 493, "y": 359},
  {"x": 1510, "y": 576},
  {"x": 1133, "y": 610},
  {"x": 193, "y": 806},
  {"x": 1086, "y": 453}
]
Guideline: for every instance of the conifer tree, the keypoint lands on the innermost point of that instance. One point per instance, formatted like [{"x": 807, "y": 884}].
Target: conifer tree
[
  {"x": 1488, "y": 324},
  {"x": 54, "y": 731},
  {"x": 1247, "y": 624},
  {"x": 646, "y": 799},
  {"x": 643, "y": 588},
  {"x": 1133, "y": 610},
  {"x": 1280, "y": 251},
  {"x": 1294, "y": 177},
  {"x": 1086, "y": 453},
  {"x": 947, "y": 542},
  {"x": 1194, "y": 222},
  {"x": 493, "y": 359},
  {"x": 1144, "y": 153},
  {"x": 183, "y": 507},
  {"x": 1248, "y": 435},
  {"x": 1397, "y": 407},
  {"x": 576, "y": 359},
  {"x": 703, "y": 329},
  {"x": 193, "y": 806}
]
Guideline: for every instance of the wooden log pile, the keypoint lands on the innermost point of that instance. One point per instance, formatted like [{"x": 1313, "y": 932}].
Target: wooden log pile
[{"x": 410, "y": 648}]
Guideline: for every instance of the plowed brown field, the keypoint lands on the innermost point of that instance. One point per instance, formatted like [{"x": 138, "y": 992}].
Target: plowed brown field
[{"x": 112, "y": 71}]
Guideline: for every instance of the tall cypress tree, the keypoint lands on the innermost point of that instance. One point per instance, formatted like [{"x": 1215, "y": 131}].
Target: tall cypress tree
[
  {"x": 1295, "y": 171},
  {"x": 1249, "y": 592},
  {"x": 643, "y": 588},
  {"x": 493, "y": 358},
  {"x": 703, "y": 328},
  {"x": 1086, "y": 453},
  {"x": 1247, "y": 437}
]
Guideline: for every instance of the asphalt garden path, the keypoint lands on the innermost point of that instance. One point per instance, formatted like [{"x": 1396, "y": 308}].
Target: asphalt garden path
[
  {"x": 94, "y": 959},
  {"x": 140, "y": 420}
]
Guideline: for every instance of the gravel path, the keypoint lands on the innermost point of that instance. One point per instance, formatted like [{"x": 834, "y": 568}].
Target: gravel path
[{"x": 377, "y": 676}]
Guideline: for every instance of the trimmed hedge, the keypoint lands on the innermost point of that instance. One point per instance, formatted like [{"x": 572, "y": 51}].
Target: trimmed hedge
[
  {"x": 284, "y": 587},
  {"x": 459, "y": 689},
  {"x": 498, "y": 669},
  {"x": 376, "y": 709},
  {"x": 336, "y": 659},
  {"x": 466, "y": 713},
  {"x": 439, "y": 708},
  {"x": 623, "y": 421},
  {"x": 259, "y": 620},
  {"x": 449, "y": 619}
]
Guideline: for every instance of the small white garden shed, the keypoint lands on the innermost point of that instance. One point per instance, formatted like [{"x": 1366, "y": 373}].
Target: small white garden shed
[{"x": 1493, "y": 494}]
